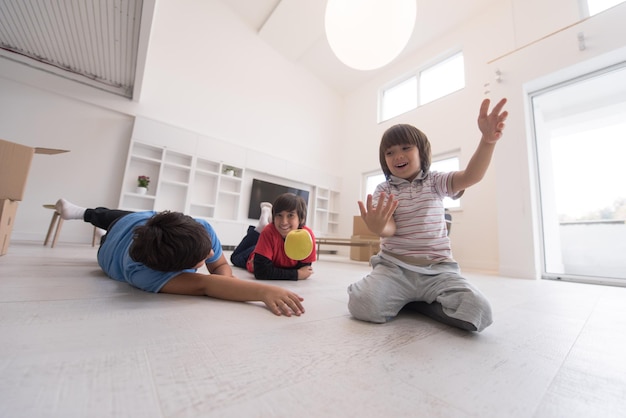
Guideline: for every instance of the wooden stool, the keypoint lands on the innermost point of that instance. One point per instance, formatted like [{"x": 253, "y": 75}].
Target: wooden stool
[{"x": 58, "y": 222}]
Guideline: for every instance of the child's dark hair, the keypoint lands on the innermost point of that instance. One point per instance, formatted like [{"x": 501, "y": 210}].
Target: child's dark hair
[
  {"x": 170, "y": 241},
  {"x": 404, "y": 134},
  {"x": 290, "y": 202}
]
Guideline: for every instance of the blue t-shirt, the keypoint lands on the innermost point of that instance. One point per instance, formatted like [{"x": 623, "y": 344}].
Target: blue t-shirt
[{"x": 115, "y": 261}]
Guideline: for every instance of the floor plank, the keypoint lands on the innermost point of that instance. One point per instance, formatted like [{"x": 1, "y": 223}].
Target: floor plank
[{"x": 75, "y": 344}]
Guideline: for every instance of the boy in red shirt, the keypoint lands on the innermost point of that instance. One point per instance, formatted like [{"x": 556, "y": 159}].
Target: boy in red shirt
[{"x": 262, "y": 250}]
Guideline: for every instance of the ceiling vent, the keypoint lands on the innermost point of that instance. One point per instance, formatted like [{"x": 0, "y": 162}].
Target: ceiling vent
[{"x": 94, "y": 42}]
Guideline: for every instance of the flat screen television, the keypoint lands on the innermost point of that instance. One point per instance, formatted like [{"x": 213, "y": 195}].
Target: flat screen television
[{"x": 263, "y": 191}]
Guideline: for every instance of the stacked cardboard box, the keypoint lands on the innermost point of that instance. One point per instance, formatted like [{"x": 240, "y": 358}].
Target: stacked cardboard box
[
  {"x": 360, "y": 232},
  {"x": 15, "y": 160}
]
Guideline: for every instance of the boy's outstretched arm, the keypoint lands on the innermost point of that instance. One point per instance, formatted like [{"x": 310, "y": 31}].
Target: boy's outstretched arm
[
  {"x": 491, "y": 126},
  {"x": 280, "y": 301}
]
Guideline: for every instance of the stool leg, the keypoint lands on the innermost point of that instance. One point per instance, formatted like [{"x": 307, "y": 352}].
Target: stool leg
[
  {"x": 93, "y": 239},
  {"x": 58, "y": 231},
  {"x": 53, "y": 221}
]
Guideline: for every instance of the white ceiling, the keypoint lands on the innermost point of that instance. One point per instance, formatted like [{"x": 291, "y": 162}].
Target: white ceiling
[
  {"x": 99, "y": 42},
  {"x": 296, "y": 29}
]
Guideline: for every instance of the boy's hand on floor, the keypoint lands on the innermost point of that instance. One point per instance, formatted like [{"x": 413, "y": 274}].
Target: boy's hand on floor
[{"x": 283, "y": 302}]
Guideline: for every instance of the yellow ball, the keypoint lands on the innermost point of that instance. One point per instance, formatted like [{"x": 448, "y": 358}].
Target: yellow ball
[{"x": 298, "y": 244}]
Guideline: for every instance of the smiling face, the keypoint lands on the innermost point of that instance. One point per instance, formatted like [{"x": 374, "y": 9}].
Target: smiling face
[
  {"x": 286, "y": 221},
  {"x": 403, "y": 161},
  {"x": 404, "y": 151},
  {"x": 288, "y": 213}
]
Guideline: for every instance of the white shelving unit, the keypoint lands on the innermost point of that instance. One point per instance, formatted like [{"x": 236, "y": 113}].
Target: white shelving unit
[
  {"x": 181, "y": 181},
  {"x": 143, "y": 160},
  {"x": 326, "y": 212},
  {"x": 189, "y": 173}
]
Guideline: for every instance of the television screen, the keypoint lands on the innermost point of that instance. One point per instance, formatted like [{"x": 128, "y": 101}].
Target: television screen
[{"x": 263, "y": 191}]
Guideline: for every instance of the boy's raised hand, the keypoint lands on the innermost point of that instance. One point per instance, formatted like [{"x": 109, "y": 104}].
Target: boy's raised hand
[
  {"x": 377, "y": 218},
  {"x": 492, "y": 124}
]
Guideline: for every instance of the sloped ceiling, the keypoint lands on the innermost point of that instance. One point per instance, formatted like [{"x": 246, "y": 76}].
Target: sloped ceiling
[
  {"x": 296, "y": 29},
  {"x": 103, "y": 43}
]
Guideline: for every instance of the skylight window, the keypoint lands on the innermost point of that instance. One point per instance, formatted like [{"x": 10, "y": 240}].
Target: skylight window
[
  {"x": 442, "y": 79},
  {"x": 424, "y": 86},
  {"x": 596, "y": 6},
  {"x": 399, "y": 98}
]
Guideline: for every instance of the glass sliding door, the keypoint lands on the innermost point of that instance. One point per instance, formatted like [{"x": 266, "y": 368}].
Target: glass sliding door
[{"x": 580, "y": 144}]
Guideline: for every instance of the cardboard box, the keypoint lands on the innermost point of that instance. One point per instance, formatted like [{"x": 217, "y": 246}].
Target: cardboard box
[
  {"x": 15, "y": 162},
  {"x": 363, "y": 253},
  {"x": 359, "y": 227},
  {"x": 8, "y": 209}
]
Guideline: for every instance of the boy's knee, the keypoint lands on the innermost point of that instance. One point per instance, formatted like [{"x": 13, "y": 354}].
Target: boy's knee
[
  {"x": 476, "y": 310},
  {"x": 365, "y": 308},
  {"x": 486, "y": 317}
]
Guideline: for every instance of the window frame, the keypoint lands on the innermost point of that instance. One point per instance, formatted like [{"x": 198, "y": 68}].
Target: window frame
[{"x": 416, "y": 74}]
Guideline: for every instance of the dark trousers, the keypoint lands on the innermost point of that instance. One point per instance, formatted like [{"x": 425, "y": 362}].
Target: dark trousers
[
  {"x": 242, "y": 252},
  {"x": 104, "y": 218},
  {"x": 435, "y": 311}
]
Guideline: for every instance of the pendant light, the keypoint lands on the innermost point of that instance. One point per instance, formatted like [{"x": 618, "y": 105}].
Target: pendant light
[{"x": 369, "y": 34}]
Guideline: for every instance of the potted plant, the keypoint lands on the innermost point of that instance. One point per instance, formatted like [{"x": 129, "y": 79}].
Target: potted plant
[
  {"x": 229, "y": 170},
  {"x": 142, "y": 184}
]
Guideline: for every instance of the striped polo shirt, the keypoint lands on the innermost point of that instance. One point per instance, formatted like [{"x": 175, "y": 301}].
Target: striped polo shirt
[{"x": 421, "y": 234}]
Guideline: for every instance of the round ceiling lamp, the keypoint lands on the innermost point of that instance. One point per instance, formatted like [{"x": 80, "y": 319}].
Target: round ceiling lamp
[{"x": 369, "y": 34}]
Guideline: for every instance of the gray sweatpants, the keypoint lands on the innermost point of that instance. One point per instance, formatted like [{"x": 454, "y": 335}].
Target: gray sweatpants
[{"x": 438, "y": 290}]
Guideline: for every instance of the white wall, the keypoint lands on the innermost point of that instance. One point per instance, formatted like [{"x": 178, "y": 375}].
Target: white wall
[
  {"x": 209, "y": 73},
  {"x": 449, "y": 123},
  {"x": 496, "y": 229},
  {"x": 205, "y": 72},
  {"x": 554, "y": 59},
  {"x": 90, "y": 174},
  {"x": 221, "y": 79}
]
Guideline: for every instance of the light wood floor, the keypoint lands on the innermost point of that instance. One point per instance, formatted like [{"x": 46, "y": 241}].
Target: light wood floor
[{"x": 74, "y": 343}]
